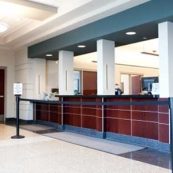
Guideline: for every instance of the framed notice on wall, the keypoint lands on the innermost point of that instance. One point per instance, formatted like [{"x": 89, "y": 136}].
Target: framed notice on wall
[{"x": 17, "y": 88}]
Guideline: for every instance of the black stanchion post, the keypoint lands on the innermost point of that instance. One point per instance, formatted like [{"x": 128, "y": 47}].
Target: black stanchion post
[
  {"x": 171, "y": 130},
  {"x": 17, "y": 136}
]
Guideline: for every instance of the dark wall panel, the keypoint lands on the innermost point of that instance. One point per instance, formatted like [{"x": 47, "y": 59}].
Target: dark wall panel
[{"x": 89, "y": 83}]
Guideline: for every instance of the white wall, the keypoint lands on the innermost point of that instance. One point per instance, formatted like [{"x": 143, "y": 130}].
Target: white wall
[
  {"x": 32, "y": 73},
  {"x": 51, "y": 75},
  {"x": 23, "y": 72},
  {"x": 7, "y": 61},
  {"x": 39, "y": 77}
]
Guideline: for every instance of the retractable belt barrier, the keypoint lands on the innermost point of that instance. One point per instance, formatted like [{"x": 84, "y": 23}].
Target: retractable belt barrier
[{"x": 17, "y": 136}]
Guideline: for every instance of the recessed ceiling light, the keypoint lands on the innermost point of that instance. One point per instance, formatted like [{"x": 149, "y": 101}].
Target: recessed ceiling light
[
  {"x": 81, "y": 46},
  {"x": 3, "y": 27},
  {"x": 130, "y": 33},
  {"x": 49, "y": 54}
]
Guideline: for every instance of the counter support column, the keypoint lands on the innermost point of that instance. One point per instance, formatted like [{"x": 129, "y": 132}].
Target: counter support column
[
  {"x": 105, "y": 67},
  {"x": 166, "y": 59},
  {"x": 66, "y": 73}
]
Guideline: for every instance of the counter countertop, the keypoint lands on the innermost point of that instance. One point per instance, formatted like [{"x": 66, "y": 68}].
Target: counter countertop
[{"x": 92, "y": 96}]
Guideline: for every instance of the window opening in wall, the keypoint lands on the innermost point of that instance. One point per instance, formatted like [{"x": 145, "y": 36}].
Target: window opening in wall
[{"x": 77, "y": 82}]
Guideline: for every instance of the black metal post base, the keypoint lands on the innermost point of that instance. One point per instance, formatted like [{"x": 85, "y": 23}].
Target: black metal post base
[{"x": 17, "y": 137}]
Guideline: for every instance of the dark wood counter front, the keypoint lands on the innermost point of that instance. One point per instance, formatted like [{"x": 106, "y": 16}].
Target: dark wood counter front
[
  {"x": 115, "y": 114},
  {"x": 48, "y": 112}
]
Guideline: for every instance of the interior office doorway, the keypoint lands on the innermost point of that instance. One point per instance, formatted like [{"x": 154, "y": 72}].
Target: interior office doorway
[
  {"x": 131, "y": 83},
  {"x": 2, "y": 96}
]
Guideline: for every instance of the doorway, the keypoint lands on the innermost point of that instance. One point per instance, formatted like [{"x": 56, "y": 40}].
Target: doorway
[
  {"x": 131, "y": 83},
  {"x": 2, "y": 87},
  {"x": 135, "y": 84}
]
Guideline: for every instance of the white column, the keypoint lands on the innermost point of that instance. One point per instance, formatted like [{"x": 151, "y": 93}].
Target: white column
[
  {"x": 66, "y": 73},
  {"x": 166, "y": 59},
  {"x": 105, "y": 67}
]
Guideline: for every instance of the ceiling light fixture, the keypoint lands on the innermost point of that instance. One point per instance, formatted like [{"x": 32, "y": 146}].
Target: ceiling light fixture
[
  {"x": 48, "y": 55},
  {"x": 81, "y": 46},
  {"x": 131, "y": 33},
  {"x": 3, "y": 27}
]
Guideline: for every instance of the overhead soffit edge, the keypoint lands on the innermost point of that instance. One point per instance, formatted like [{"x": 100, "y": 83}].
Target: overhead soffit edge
[{"x": 41, "y": 32}]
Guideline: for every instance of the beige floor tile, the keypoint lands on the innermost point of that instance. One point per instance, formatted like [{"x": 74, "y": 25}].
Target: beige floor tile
[{"x": 40, "y": 154}]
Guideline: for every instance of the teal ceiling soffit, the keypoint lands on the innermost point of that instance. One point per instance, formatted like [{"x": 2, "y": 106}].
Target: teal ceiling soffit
[{"x": 152, "y": 11}]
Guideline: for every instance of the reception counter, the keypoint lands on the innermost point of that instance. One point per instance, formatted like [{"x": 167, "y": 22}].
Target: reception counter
[{"x": 135, "y": 119}]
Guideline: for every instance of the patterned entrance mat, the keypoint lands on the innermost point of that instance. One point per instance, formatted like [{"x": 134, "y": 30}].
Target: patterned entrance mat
[{"x": 95, "y": 143}]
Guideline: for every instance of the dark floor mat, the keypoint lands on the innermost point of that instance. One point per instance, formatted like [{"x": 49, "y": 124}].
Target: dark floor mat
[{"x": 37, "y": 128}]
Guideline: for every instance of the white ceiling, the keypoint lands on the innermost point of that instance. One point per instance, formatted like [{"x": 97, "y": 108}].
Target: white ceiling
[
  {"x": 49, "y": 2},
  {"x": 16, "y": 24},
  {"x": 128, "y": 54},
  {"x": 24, "y": 31}
]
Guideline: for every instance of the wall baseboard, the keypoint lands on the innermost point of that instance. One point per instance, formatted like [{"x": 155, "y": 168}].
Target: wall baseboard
[
  {"x": 12, "y": 121},
  {"x": 149, "y": 143}
]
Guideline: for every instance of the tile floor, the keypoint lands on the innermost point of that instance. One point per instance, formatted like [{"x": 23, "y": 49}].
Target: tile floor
[
  {"x": 40, "y": 154},
  {"x": 150, "y": 156}
]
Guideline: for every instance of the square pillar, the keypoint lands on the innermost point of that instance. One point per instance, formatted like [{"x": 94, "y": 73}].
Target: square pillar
[
  {"x": 166, "y": 59},
  {"x": 66, "y": 73},
  {"x": 105, "y": 67}
]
